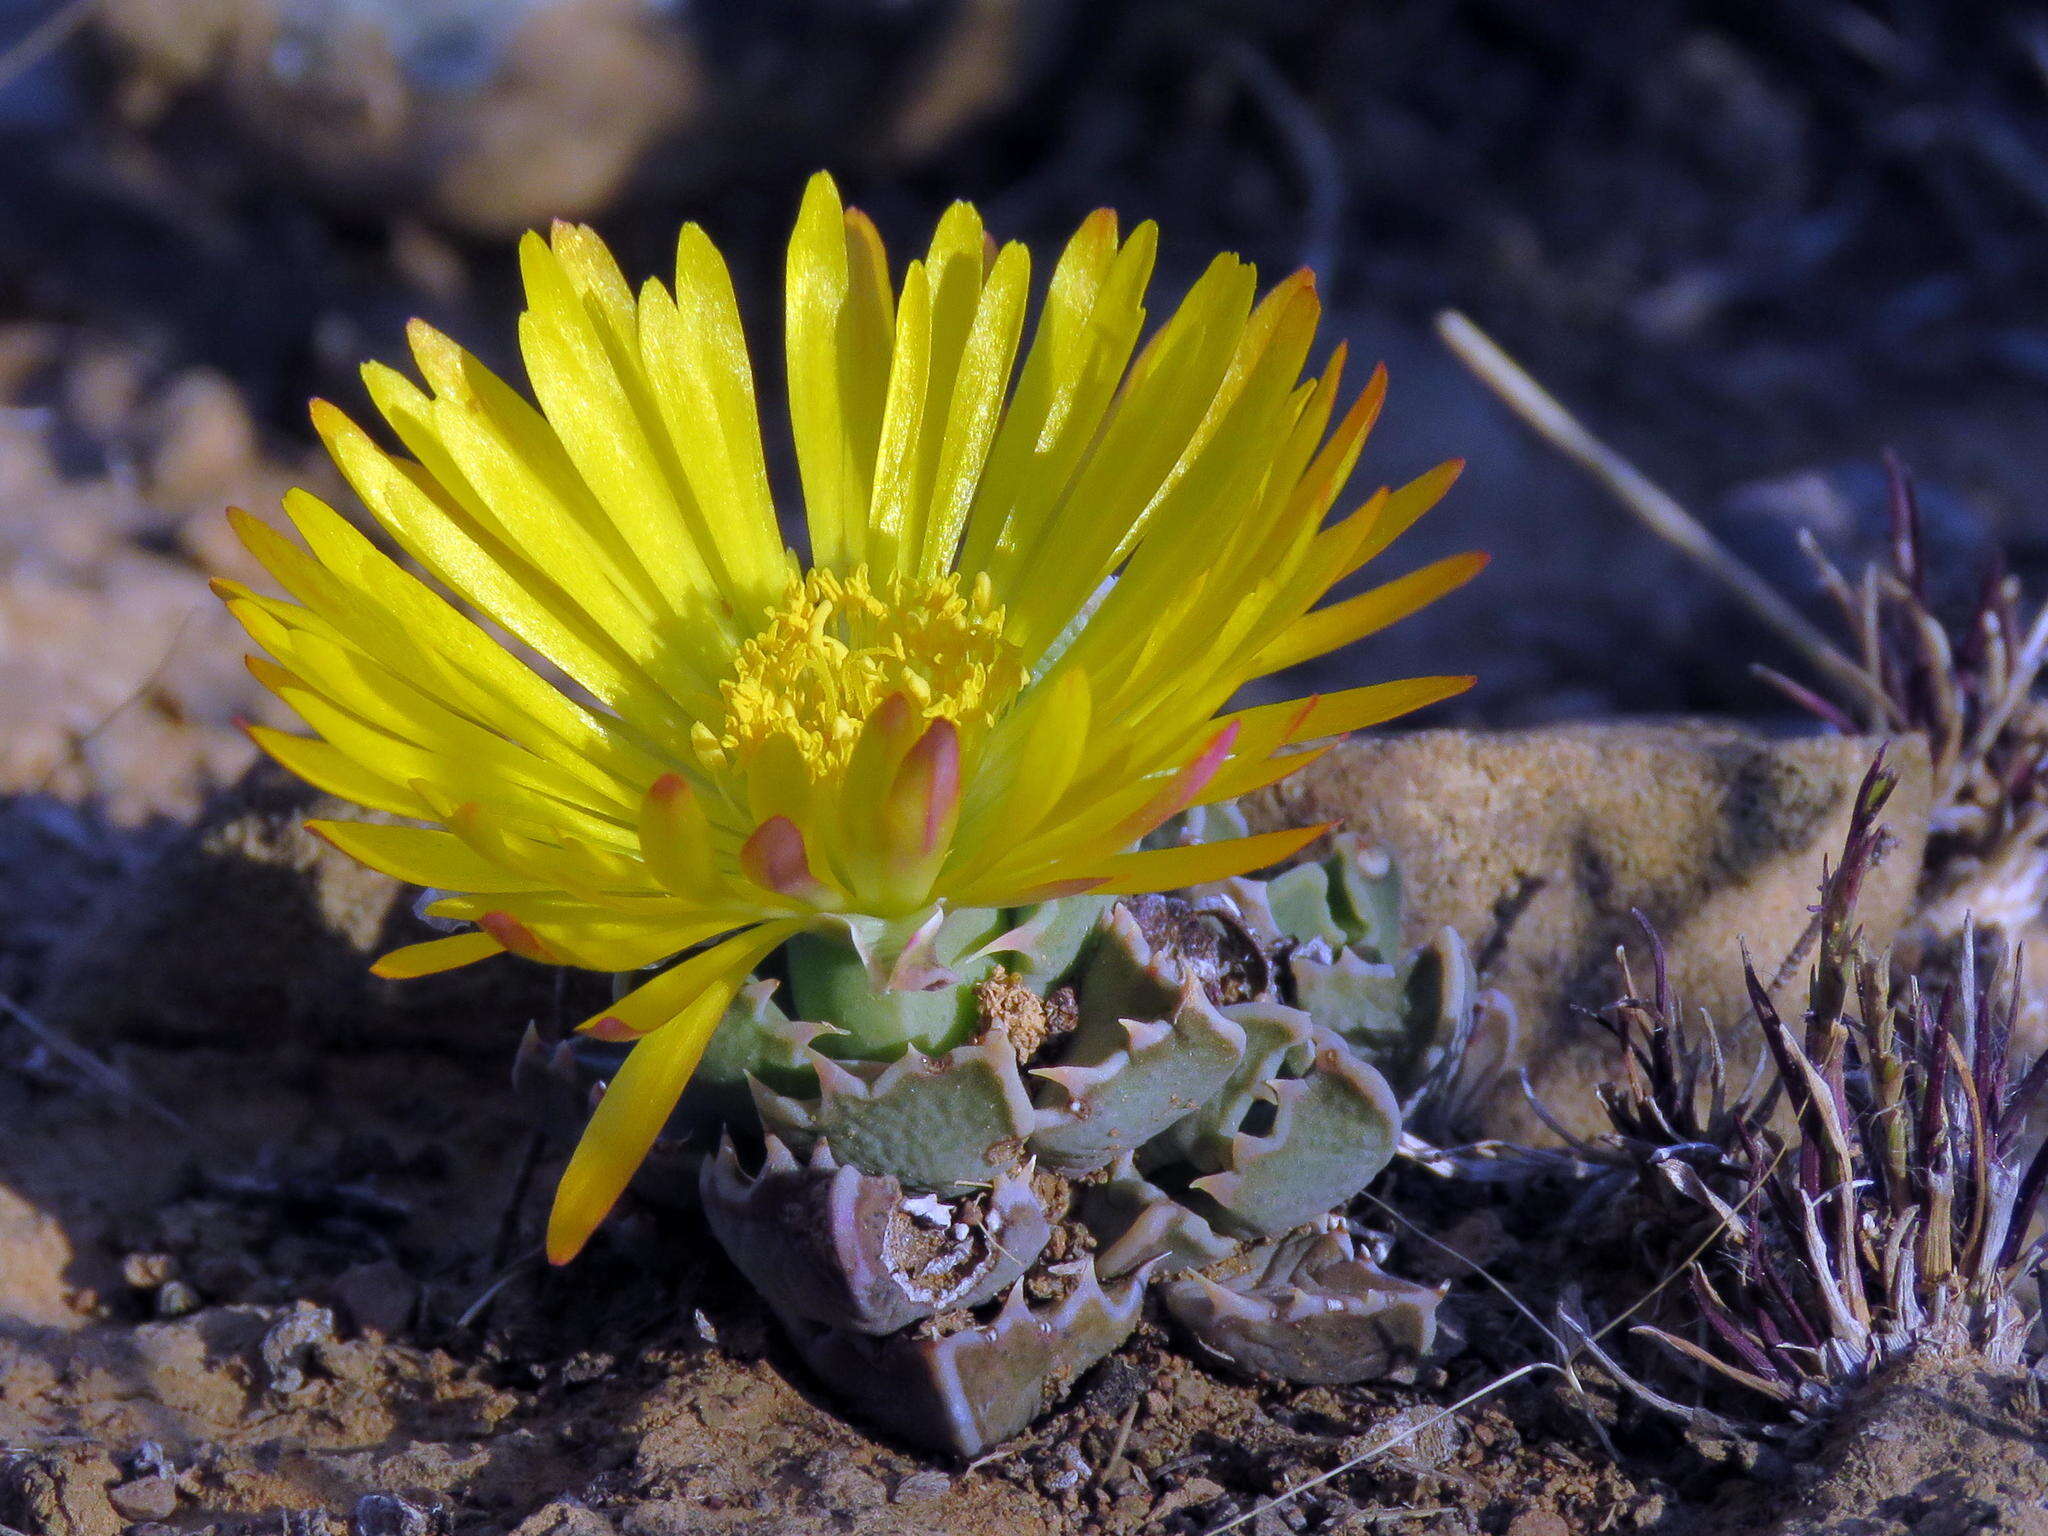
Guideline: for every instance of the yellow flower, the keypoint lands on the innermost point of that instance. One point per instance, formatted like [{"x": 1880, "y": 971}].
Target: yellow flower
[{"x": 1032, "y": 589}]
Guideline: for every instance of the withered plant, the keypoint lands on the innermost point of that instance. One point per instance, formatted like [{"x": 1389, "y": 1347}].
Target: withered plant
[
  {"x": 1969, "y": 687},
  {"x": 1886, "y": 1209},
  {"x": 1678, "y": 1122}
]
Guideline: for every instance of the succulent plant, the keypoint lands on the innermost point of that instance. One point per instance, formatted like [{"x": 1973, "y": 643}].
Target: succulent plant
[{"x": 956, "y": 1197}]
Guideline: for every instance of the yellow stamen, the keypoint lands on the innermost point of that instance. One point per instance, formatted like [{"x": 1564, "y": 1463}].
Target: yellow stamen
[{"x": 835, "y": 648}]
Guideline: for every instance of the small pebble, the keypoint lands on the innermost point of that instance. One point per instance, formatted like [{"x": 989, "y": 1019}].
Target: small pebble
[
  {"x": 919, "y": 1486},
  {"x": 382, "y": 1514},
  {"x": 590, "y": 1365},
  {"x": 843, "y": 1485},
  {"x": 292, "y": 1342},
  {"x": 1192, "y": 1494},
  {"x": 145, "y": 1498},
  {"x": 1066, "y": 1471},
  {"x": 174, "y": 1299},
  {"x": 1539, "y": 1522},
  {"x": 147, "y": 1271},
  {"x": 378, "y": 1297},
  {"x": 149, "y": 1460}
]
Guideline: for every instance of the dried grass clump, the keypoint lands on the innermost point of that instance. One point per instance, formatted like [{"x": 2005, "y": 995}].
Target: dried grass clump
[
  {"x": 1884, "y": 1209},
  {"x": 1970, "y": 688}
]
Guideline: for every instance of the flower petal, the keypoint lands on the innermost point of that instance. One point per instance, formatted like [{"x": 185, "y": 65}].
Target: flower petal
[{"x": 680, "y": 1009}]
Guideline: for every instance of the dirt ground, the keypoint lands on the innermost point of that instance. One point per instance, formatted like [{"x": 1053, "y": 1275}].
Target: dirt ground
[
  {"x": 319, "y": 1286},
  {"x": 267, "y": 1257}
]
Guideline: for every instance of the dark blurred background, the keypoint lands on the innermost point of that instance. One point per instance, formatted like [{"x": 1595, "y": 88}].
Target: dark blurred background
[{"x": 1753, "y": 244}]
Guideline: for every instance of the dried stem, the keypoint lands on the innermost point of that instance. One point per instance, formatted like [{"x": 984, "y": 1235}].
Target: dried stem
[
  {"x": 1655, "y": 507},
  {"x": 1894, "y": 1216}
]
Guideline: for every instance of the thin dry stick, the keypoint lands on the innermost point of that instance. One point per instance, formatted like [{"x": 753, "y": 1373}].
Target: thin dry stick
[
  {"x": 107, "y": 1078},
  {"x": 1655, "y": 507},
  {"x": 1564, "y": 1352},
  {"x": 42, "y": 40},
  {"x": 1562, "y": 1368},
  {"x": 1385, "y": 1445},
  {"x": 490, "y": 1292},
  {"x": 1308, "y": 143},
  {"x": 1123, "y": 1440},
  {"x": 75, "y": 748}
]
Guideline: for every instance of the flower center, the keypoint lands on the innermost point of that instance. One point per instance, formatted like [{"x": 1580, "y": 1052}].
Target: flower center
[{"x": 835, "y": 647}]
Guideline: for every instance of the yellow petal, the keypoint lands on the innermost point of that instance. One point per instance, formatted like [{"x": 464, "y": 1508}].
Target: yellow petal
[
  {"x": 1094, "y": 310},
  {"x": 1369, "y": 612},
  {"x": 436, "y": 955},
  {"x": 419, "y": 856},
  {"x": 682, "y": 1007},
  {"x": 838, "y": 368},
  {"x": 1352, "y": 709},
  {"x": 980, "y": 378},
  {"x": 1160, "y": 869},
  {"x": 1402, "y": 507},
  {"x": 675, "y": 838}
]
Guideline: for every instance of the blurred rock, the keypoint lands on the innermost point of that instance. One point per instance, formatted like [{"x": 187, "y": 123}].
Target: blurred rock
[
  {"x": 247, "y": 916},
  {"x": 1937, "y": 1445},
  {"x": 564, "y": 1517},
  {"x": 377, "y": 1298},
  {"x": 145, "y": 1498},
  {"x": 120, "y": 674},
  {"x": 203, "y": 1368},
  {"x": 118, "y": 681},
  {"x": 58, "y": 1493},
  {"x": 1565, "y": 592},
  {"x": 202, "y": 439},
  {"x": 1846, "y": 508},
  {"x": 35, "y": 1254},
  {"x": 1536, "y": 845},
  {"x": 491, "y": 116}
]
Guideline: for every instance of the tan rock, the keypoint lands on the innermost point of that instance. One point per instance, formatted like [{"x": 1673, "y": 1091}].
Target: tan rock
[
  {"x": 1536, "y": 845},
  {"x": 35, "y": 1258},
  {"x": 203, "y": 1368},
  {"x": 490, "y": 118},
  {"x": 202, "y": 440},
  {"x": 145, "y": 1498},
  {"x": 58, "y": 1493}
]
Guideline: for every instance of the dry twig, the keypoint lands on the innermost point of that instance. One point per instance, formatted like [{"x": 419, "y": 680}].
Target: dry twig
[{"x": 1654, "y": 507}]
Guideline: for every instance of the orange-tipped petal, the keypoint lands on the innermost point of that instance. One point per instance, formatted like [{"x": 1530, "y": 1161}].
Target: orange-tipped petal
[
  {"x": 515, "y": 937},
  {"x": 1369, "y": 612},
  {"x": 1059, "y": 890},
  {"x": 684, "y": 1005},
  {"x": 1351, "y": 709},
  {"x": 924, "y": 801},
  {"x": 885, "y": 737},
  {"x": 1376, "y": 703},
  {"x": 1183, "y": 789},
  {"x": 675, "y": 837},
  {"x": 775, "y": 859},
  {"x": 1248, "y": 775},
  {"x": 1403, "y": 506}
]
